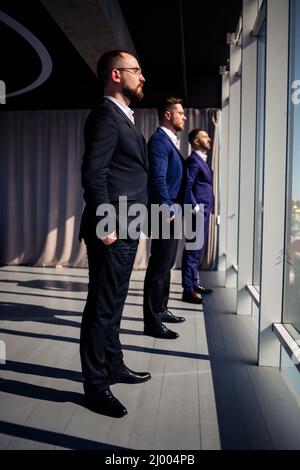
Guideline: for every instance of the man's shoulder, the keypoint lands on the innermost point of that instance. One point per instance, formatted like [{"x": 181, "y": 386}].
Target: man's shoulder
[
  {"x": 155, "y": 135},
  {"x": 194, "y": 157},
  {"x": 193, "y": 160},
  {"x": 104, "y": 107},
  {"x": 102, "y": 112},
  {"x": 159, "y": 138}
]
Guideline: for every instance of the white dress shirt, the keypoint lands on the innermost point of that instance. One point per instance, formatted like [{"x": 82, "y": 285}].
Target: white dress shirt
[
  {"x": 201, "y": 154},
  {"x": 128, "y": 111},
  {"x": 204, "y": 157}
]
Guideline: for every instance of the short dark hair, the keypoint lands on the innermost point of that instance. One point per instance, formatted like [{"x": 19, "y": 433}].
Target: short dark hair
[
  {"x": 107, "y": 62},
  {"x": 193, "y": 134},
  {"x": 167, "y": 105}
]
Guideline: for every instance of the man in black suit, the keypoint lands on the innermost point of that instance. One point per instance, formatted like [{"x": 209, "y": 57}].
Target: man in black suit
[{"x": 114, "y": 165}]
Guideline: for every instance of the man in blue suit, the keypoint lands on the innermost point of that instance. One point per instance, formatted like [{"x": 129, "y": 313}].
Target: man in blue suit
[
  {"x": 168, "y": 180},
  {"x": 201, "y": 192}
]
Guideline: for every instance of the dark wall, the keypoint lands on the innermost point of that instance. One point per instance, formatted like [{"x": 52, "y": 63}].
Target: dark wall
[{"x": 180, "y": 44}]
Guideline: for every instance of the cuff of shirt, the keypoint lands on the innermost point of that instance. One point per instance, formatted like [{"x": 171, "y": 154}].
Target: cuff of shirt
[{"x": 196, "y": 209}]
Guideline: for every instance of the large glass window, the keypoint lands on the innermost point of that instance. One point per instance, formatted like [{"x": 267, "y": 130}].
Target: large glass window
[
  {"x": 291, "y": 310},
  {"x": 260, "y": 136}
]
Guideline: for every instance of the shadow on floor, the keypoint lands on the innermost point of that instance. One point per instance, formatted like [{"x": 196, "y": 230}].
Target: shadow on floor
[
  {"x": 24, "y": 312},
  {"x": 50, "y": 284},
  {"x": 240, "y": 418},
  {"x": 23, "y": 389},
  {"x": 42, "y": 371},
  {"x": 127, "y": 347},
  {"x": 54, "y": 438},
  {"x": 53, "y": 272}
]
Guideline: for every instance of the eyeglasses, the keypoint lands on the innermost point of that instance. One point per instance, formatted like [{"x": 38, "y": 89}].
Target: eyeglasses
[{"x": 134, "y": 70}]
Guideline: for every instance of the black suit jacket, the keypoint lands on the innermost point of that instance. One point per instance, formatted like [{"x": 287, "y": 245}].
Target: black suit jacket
[{"x": 114, "y": 162}]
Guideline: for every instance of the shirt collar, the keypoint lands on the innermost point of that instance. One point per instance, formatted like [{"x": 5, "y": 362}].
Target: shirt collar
[
  {"x": 169, "y": 134},
  {"x": 201, "y": 154},
  {"x": 128, "y": 111}
]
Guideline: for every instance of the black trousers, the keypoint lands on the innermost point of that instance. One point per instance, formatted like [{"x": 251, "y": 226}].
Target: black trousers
[
  {"x": 157, "y": 279},
  {"x": 110, "y": 268}
]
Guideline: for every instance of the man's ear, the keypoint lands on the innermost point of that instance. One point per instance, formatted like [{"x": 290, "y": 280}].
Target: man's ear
[
  {"x": 115, "y": 76},
  {"x": 168, "y": 115}
]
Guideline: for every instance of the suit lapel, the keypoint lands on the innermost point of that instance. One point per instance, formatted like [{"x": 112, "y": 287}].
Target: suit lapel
[
  {"x": 203, "y": 164},
  {"x": 178, "y": 151},
  {"x": 140, "y": 138},
  {"x": 176, "y": 148}
]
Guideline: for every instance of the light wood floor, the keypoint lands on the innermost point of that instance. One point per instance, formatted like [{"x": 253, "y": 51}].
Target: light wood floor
[{"x": 205, "y": 393}]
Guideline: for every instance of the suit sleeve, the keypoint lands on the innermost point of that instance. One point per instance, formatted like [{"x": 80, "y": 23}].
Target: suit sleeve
[
  {"x": 101, "y": 139},
  {"x": 158, "y": 162},
  {"x": 193, "y": 170}
]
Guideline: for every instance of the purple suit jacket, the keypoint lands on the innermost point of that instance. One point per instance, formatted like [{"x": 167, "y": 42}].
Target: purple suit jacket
[{"x": 201, "y": 180}]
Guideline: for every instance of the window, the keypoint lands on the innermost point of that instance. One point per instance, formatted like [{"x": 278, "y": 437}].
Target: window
[
  {"x": 291, "y": 254},
  {"x": 259, "y": 158}
]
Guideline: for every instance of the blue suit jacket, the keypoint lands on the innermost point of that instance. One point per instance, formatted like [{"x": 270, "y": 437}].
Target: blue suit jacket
[
  {"x": 167, "y": 168},
  {"x": 201, "y": 181}
]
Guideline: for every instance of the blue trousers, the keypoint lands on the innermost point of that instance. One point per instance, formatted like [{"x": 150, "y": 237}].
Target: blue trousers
[{"x": 191, "y": 260}]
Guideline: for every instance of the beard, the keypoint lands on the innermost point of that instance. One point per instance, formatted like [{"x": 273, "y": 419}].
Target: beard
[
  {"x": 133, "y": 94},
  {"x": 178, "y": 127},
  {"x": 205, "y": 147}
]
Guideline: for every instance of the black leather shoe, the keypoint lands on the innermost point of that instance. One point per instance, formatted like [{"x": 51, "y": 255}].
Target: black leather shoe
[
  {"x": 127, "y": 376},
  {"x": 203, "y": 290},
  {"x": 103, "y": 401},
  {"x": 168, "y": 317},
  {"x": 191, "y": 298},
  {"x": 161, "y": 331}
]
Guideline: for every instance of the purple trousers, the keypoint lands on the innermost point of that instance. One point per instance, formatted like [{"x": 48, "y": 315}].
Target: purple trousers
[{"x": 191, "y": 260}]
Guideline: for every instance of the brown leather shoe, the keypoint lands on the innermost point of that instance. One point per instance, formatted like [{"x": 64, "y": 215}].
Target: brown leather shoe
[{"x": 191, "y": 298}]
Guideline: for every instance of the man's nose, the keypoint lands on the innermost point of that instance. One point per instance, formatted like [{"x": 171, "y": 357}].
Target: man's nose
[{"x": 142, "y": 78}]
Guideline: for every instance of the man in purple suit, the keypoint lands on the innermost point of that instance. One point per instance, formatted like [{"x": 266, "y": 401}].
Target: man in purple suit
[{"x": 201, "y": 187}]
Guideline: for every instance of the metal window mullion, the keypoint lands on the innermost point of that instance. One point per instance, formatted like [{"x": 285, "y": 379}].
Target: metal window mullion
[
  {"x": 274, "y": 179},
  {"x": 247, "y": 159}
]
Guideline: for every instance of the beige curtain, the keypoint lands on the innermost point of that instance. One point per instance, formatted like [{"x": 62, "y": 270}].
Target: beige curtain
[{"x": 41, "y": 196}]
